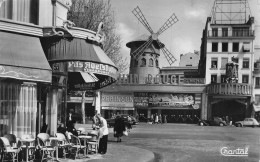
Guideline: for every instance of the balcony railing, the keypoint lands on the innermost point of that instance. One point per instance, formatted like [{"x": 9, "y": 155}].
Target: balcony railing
[
  {"x": 231, "y": 33},
  {"x": 229, "y": 89}
]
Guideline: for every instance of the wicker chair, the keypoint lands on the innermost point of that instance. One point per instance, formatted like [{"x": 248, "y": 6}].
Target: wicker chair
[
  {"x": 7, "y": 150},
  {"x": 45, "y": 146},
  {"x": 76, "y": 145},
  {"x": 64, "y": 144},
  {"x": 93, "y": 144}
]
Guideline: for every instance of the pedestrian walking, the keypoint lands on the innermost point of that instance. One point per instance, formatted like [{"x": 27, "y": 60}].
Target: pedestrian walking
[
  {"x": 160, "y": 118},
  {"x": 119, "y": 128},
  {"x": 165, "y": 118},
  {"x": 152, "y": 120},
  {"x": 129, "y": 125},
  {"x": 103, "y": 132},
  {"x": 156, "y": 118}
]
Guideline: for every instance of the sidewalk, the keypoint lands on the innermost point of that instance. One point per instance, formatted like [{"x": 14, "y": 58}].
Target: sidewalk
[{"x": 118, "y": 153}]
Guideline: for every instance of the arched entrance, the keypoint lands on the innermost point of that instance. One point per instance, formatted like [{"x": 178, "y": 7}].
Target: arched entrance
[{"x": 236, "y": 109}]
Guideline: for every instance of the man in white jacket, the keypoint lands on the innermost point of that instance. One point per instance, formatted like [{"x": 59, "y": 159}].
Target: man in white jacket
[{"x": 104, "y": 135}]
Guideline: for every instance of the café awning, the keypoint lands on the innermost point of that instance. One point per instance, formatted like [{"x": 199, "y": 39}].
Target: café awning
[
  {"x": 22, "y": 58},
  {"x": 88, "y": 67}
]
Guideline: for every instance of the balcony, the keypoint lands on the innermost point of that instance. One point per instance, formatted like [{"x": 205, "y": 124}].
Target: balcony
[
  {"x": 231, "y": 33},
  {"x": 234, "y": 89}
]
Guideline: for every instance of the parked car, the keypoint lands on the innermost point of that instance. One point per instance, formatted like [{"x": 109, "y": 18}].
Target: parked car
[
  {"x": 247, "y": 122},
  {"x": 214, "y": 121}
]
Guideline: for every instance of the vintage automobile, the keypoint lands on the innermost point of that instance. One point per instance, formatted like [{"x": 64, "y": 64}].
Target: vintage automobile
[
  {"x": 214, "y": 121},
  {"x": 247, "y": 122}
]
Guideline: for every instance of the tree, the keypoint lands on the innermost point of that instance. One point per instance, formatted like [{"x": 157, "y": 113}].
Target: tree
[{"x": 88, "y": 14}]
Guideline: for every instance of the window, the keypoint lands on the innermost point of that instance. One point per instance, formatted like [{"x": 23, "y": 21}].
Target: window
[
  {"x": 235, "y": 47},
  {"x": 156, "y": 63},
  {"x": 136, "y": 63},
  {"x": 257, "y": 82},
  {"x": 246, "y": 47},
  {"x": 214, "y": 46},
  {"x": 143, "y": 62},
  {"x": 224, "y": 47},
  {"x": 224, "y": 32},
  {"x": 223, "y": 78},
  {"x": 224, "y": 61},
  {"x": 150, "y": 62},
  {"x": 20, "y": 10},
  {"x": 214, "y": 32},
  {"x": 214, "y": 63},
  {"x": 213, "y": 78},
  {"x": 245, "y": 78},
  {"x": 246, "y": 63}
]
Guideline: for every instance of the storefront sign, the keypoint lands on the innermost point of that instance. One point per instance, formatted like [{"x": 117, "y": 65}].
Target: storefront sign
[
  {"x": 117, "y": 100},
  {"x": 171, "y": 100},
  {"x": 158, "y": 79},
  {"x": 92, "y": 67},
  {"x": 141, "y": 99},
  {"x": 230, "y": 89}
]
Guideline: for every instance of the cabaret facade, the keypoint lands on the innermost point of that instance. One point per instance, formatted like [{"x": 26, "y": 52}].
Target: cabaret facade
[{"x": 174, "y": 92}]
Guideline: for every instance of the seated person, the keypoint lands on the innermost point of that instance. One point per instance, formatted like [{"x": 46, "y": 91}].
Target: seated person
[{"x": 71, "y": 128}]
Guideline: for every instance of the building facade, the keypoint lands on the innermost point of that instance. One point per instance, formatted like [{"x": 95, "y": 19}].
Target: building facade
[{"x": 227, "y": 62}]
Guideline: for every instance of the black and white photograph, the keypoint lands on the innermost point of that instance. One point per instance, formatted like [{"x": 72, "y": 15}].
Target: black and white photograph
[{"x": 130, "y": 80}]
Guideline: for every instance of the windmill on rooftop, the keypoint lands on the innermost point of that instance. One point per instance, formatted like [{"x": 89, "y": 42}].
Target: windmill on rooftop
[{"x": 145, "y": 50}]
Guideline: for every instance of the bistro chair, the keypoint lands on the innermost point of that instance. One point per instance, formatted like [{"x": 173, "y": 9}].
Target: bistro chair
[
  {"x": 76, "y": 145},
  {"x": 63, "y": 144},
  {"x": 93, "y": 144},
  {"x": 8, "y": 151},
  {"x": 45, "y": 146},
  {"x": 31, "y": 147}
]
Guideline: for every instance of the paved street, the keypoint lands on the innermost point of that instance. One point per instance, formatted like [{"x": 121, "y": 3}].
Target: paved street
[{"x": 184, "y": 142}]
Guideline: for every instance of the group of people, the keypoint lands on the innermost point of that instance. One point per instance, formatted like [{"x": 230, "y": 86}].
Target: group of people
[
  {"x": 156, "y": 119},
  {"x": 99, "y": 124}
]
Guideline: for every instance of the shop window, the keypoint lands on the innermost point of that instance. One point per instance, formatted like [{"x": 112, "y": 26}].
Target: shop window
[
  {"x": 246, "y": 63},
  {"x": 157, "y": 63},
  {"x": 224, "y": 62},
  {"x": 214, "y": 78},
  {"x": 18, "y": 108},
  {"x": 246, "y": 47},
  {"x": 235, "y": 47},
  {"x": 214, "y": 46},
  {"x": 257, "y": 82},
  {"x": 150, "y": 62},
  {"x": 223, "y": 78},
  {"x": 136, "y": 63},
  {"x": 245, "y": 78},
  {"x": 20, "y": 10},
  {"x": 224, "y": 32},
  {"x": 224, "y": 47},
  {"x": 214, "y": 32},
  {"x": 214, "y": 63},
  {"x": 143, "y": 62}
]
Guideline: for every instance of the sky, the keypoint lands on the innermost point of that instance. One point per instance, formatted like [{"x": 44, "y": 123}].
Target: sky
[{"x": 182, "y": 37}]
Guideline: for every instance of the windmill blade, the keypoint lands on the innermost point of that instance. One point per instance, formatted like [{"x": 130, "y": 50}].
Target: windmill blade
[
  {"x": 169, "y": 57},
  {"x": 138, "y": 13},
  {"x": 141, "y": 48},
  {"x": 172, "y": 20}
]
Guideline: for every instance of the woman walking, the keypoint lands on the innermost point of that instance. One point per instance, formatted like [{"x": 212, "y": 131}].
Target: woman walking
[{"x": 119, "y": 128}]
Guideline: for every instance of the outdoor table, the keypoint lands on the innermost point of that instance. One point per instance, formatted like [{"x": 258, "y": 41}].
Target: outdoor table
[
  {"x": 85, "y": 138},
  {"x": 56, "y": 139},
  {"x": 27, "y": 142}
]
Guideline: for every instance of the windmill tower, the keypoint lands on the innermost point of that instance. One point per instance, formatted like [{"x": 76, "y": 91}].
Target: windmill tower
[{"x": 145, "y": 50}]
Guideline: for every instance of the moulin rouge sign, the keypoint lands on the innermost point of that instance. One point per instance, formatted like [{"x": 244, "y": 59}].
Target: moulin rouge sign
[{"x": 158, "y": 79}]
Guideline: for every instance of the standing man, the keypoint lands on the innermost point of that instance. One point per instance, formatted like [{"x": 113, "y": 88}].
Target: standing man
[{"x": 103, "y": 131}]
